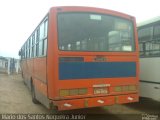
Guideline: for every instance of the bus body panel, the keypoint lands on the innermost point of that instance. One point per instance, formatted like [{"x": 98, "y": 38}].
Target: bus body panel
[
  {"x": 96, "y": 101},
  {"x": 53, "y": 75},
  {"x": 28, "y": 71},
  {"x": 149, "y": 76},
  {"x": 40, "y": 69},
  {"x": 149, "y": 69},
  {"x": 52, "y": 58}
]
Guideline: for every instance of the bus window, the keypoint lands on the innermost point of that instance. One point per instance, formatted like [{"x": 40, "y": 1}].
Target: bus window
[
  {"x": 33, "y": 43},
  {"x": 78, "y": 43},
  {"x": 37, "y": 42},
  {"x": 91, "y": 32},
  {"x": 40, "y": 47},
  {"x": 119, "y": 41}
]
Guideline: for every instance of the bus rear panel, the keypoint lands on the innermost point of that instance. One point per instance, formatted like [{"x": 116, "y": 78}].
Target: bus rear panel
[{"x": 96, "y": 58}]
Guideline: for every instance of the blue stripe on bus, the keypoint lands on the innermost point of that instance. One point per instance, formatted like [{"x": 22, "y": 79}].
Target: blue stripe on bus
[{"x": 82, "y": 70}]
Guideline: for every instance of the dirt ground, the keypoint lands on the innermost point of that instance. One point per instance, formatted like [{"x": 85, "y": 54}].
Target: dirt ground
[{"x": 16, "y": 98}]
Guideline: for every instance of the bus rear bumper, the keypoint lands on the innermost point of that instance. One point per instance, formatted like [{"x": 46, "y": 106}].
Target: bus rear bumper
[{"x": 95, "y": 101}]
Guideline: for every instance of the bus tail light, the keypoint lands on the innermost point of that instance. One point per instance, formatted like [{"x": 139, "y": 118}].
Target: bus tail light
[
  {"x": 118, "y": 89},
  {"x": 71, "y": 92},
  {"x": 125, "y": 88},
  {"x": 64, "y": 92},
  {"x": 82, "y": 91},
  {"x": 132, "y": 87}
]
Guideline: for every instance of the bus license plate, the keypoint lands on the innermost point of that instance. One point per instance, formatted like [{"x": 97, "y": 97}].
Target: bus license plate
[{"x": 100, "y": 91}]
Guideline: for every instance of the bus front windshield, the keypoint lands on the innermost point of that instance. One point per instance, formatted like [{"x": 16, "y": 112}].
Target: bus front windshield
[{"x": 94, "y": 32}]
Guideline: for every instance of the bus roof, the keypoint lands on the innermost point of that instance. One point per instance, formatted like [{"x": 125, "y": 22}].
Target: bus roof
[{"x": 146, "y": 22}]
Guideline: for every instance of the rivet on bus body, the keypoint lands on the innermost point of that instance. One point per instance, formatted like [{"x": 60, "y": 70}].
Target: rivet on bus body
[
  {"x": 67, "y": 105},
  {"x": 100, "y": 101},
  {"x": 130, "y": 98}
]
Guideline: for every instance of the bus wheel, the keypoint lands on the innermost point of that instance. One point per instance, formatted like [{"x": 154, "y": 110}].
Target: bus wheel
[
  {"x": 24, "y": 82},
  {"x": 34, "y": 100},
  {"x": 53, "y": 108}
]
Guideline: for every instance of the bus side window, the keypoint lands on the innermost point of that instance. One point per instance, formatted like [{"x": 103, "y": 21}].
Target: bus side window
[
  {"x": 30, "y": 47},
  {"x": 43, "y": 38},
  {"x": 40, "y": 47},
  {"x": 33, "y": 44},
  {"x": 25, "y": 51},
  {"x": 156, "y": 32},
  {"x": 37, "y": 42}
]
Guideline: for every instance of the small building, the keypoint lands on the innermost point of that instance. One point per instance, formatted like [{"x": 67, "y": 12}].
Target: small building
[
  {"x": 9, "y": 65},
  {"x": 3, "y": 62}
]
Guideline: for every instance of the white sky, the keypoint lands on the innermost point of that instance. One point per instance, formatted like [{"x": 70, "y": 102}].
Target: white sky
[{"x": 18, "y": 18}]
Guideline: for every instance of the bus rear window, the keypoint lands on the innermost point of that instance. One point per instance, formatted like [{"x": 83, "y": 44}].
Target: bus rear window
[{"x": 94, "y": 32}]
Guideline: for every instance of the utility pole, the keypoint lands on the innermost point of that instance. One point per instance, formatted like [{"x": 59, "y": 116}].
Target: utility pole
[
  {"x": 9, "y": 60},
  {"x": 17, "y": 66}
]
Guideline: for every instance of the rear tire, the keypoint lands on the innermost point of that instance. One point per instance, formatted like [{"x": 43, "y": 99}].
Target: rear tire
[
  {"x": 54, "y": 109},
  {"x": 34, "y": 100}
]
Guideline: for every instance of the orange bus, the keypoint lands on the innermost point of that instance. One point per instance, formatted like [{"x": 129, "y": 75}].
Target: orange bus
[{"x": 80, "y": 57}]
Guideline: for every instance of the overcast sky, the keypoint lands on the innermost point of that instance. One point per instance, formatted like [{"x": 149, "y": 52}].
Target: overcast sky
[{"x": 18, "y": 18}]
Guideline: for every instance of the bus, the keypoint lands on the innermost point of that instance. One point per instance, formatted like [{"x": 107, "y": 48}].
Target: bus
[
  {"x": 149, "y": 43},
  {"x": 81, "y": 57}
]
